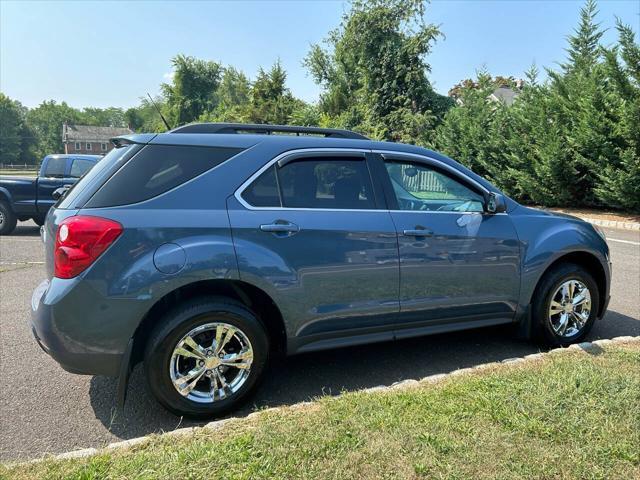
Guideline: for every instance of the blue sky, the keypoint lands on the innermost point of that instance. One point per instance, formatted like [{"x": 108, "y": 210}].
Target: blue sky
[{"x": 111, "y": 53}]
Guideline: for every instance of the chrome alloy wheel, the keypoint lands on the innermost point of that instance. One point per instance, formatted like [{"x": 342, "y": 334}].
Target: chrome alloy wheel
[
  {"x": 1, "y": 218},
  {"x": 570, "y": 308},
  {"x": 211, "y": 362}
]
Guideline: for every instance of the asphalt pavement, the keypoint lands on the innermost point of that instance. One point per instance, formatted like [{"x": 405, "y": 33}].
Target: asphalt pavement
[{"x": 47, "y": 410}]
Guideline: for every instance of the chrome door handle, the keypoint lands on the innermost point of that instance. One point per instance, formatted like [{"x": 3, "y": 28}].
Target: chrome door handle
[
  {"x": 418, "y": 232},
  {"x": 280, "y": 227}
]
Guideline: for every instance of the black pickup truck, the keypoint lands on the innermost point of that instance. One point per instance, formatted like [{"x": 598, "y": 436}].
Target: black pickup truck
[{"x": 24, "y": 198}]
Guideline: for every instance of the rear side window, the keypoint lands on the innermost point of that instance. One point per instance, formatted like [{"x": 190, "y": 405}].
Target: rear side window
[
  {"x": 157, "y": 169},
  {"x": 332, "y": 183},
  {"x": 55, "y": 167},
  {"x": 323, "y": 183}
]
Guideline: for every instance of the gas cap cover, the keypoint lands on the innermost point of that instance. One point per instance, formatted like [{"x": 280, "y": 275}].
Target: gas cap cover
[{"x": 169, "y": 258}]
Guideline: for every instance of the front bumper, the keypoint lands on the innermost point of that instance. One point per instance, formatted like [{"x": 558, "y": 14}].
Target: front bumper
[{"x": 63, "y": 339}]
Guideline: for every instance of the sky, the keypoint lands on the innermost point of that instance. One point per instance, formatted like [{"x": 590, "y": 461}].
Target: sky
[{"x": 110, "y": 53}]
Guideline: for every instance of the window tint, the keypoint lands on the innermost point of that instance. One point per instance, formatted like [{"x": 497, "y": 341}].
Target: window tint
[
  {"x": 342, "y": 183},
  {"x": 55, "y": 167},
  {"x": 79, "y": 167},
  {"x": 263, "y": 192},
  {"x": 420, "y": 187},
  {"x": 155, "y": 170}
]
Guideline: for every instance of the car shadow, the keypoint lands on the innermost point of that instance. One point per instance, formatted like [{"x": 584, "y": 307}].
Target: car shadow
[
  {"x": 25, "y": 230},
  {"x": 303, "y": 377}
]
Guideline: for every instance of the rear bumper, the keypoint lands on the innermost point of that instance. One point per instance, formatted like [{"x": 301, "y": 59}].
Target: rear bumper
[{"x": 63, "y": 338}]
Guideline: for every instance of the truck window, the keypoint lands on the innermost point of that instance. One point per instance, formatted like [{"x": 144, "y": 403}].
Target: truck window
[{"x": 55, "y": 167}]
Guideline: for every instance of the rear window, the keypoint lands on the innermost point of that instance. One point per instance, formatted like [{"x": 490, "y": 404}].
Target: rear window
[
  {"x": 55, "y": 167},
  {"x": 157, "y": 169}
]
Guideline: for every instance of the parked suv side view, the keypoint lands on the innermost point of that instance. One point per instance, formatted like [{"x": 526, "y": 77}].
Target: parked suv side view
[{"x": 205, "y": 250}]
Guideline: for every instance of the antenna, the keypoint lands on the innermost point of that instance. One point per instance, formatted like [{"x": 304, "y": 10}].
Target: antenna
[{"x": 164, "y": 120}]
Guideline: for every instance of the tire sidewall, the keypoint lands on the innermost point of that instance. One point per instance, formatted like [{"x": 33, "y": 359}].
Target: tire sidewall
[
  {"x": 551, "y": 284},
  {"x": 10, "y": 219},
  {"x": 177, "y": 324}
]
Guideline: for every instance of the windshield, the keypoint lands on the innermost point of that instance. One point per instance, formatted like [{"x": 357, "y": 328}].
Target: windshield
[{"x": 93, "y": 176}]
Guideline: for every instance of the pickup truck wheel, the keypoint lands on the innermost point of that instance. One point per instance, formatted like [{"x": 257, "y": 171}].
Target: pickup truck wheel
[
  {"x": 8, "y": 219},
  {"x": 565, "y": 305},
  {"x": 39, "y": 221},
  {"x": 206, "y": 357}
]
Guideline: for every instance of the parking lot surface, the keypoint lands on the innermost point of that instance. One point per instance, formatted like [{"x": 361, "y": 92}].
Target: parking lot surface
[{"x": 47, "y": 410}]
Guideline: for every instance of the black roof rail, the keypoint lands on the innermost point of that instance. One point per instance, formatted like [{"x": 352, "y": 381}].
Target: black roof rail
[{"x": 265, "y": 129}]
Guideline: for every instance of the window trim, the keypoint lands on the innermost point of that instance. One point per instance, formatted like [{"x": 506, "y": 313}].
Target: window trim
[
  {"x": 103, "y": 147},
  {"x": 293, "y": 155},
  {"x": 78, "y": 146},
  {"x": 89, "y": 146}
]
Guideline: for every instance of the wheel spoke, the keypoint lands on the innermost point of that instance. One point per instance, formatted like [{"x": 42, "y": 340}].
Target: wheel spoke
[
  {"x": 555, "y": 308},
  {"x": 223, "y": 383},
  {"x": 572, "y": 290},
  {"x": 564, "y": 321},
  {"x": 188, "y": 353},
  {"x": 197, "y": 349},
  {"x": 186, "y": 383},
  {"x": 241, "y": 360},
  {"x": 221, "y": 341}
]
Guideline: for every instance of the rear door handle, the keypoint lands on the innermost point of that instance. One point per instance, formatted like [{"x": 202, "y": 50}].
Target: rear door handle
[
  {"x": 418, "y": 232},
  {"x": 280, "y": 227}
]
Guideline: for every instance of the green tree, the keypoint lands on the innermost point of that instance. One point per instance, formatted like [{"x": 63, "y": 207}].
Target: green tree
[
  {"x": 46, "y": 122},
  {"x": 11, "y": 121},
  {"x": 193, "y": 90},
  {"x": 373, "y": 71}
]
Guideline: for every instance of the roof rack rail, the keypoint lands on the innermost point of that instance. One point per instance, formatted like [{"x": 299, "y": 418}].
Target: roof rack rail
[{"x": 265, "y": 130}]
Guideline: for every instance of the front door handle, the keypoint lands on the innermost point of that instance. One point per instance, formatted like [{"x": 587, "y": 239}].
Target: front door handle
[
  {"x": 280, "y": 227},
  {"x": 418, "y": 232}
]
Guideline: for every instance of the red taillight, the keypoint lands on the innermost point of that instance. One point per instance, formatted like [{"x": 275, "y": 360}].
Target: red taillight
[{"x": 79, "y": 241}]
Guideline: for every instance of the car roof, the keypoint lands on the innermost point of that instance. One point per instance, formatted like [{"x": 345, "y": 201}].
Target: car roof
[{"x": 74, "y": 155}]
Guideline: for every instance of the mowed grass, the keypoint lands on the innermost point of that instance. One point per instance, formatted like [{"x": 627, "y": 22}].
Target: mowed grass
[
  {"x": 19, "y": 173},
  {"x": 572, "y": 415}
]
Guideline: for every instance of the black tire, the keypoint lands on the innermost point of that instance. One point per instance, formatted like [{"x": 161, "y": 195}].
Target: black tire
[
  {"x": 549, "y": 284},
  {"x": 39, "y": 221},
  {"x": 8, "y": 219},
  {"x": 179, "y": 321}
]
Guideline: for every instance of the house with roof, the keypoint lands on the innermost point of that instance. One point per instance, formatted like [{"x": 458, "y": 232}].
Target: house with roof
[{"x": 90, "y": 139}]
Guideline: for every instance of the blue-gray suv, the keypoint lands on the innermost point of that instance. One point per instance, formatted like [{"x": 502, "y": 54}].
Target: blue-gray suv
[{"x": 205, "y": 250}]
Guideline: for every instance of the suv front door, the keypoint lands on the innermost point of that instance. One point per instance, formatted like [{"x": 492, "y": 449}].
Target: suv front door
[
  {"x": 459, "y": 266},
  {"x": 310, "y": 231}
]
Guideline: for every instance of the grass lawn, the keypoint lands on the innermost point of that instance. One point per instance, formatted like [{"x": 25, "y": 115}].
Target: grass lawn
[
  {"x": 571, "y": 415},
  {"x": 19, "y": 173}
]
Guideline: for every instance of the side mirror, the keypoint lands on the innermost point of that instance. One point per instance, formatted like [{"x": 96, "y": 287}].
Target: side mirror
[{"x": 496, "y": 203}]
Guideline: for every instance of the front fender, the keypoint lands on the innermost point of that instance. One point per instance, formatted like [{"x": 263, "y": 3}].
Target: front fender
[{"x": 545, "y": 239}]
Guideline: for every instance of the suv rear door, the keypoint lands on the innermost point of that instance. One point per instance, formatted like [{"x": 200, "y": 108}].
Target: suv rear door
[
  {"x": 459, "y": 266},
  {"x": 309, "y": 229}
]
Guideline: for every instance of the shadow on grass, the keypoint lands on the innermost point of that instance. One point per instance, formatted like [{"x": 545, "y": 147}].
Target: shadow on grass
[{"x": 303, "y": 377}]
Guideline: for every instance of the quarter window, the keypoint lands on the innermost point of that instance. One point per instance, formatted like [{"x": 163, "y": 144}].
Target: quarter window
[
  {"x": 421, "y": 187},
  {"x": 263, "y": 192}
]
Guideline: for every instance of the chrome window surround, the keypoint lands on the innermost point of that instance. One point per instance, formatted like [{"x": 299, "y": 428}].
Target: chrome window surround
[{"x": 304, "y": 152}]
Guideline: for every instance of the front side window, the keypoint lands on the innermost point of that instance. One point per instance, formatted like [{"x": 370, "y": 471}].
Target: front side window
[
  {"x": 79, "y": 167},
  {"x": 55, "y": 167},
  {"x": 421, "y": 187}
]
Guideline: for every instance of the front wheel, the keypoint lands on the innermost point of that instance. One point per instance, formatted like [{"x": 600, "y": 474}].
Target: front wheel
[
  {"x": 566, "y": 305},
  {"x": 206, "y": 357}
]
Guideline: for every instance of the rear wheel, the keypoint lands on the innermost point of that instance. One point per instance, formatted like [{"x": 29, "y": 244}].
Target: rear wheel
[
  {"x": 39, "y": 220},
  {"x": 565, "y": 305},
  {"x": 206, "y": 357},
  {"x": 8, "y": 219}
]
